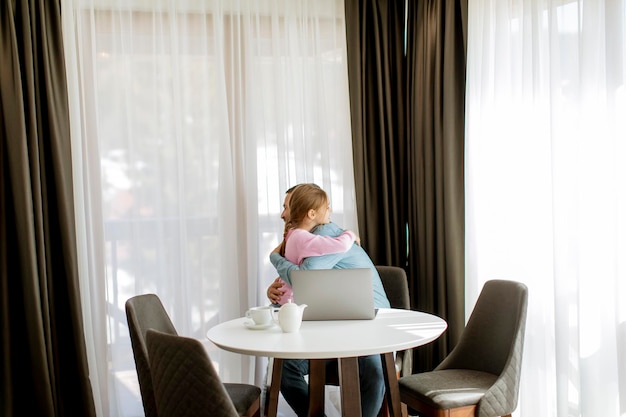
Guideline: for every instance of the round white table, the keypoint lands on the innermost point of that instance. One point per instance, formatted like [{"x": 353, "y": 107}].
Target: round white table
[{"x": 392, "y": 330}]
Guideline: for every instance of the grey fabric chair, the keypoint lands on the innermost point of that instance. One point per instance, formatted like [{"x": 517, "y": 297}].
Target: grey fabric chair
[
  {"x": 145, "y": 312},
  {"x": 397, "y": 289},
  {"x": 185, "y": 382},
  {"x": 480, "y": 377}
]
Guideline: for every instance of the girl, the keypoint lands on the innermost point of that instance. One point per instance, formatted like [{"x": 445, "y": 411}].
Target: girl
[{"x": 308, "y": 208}]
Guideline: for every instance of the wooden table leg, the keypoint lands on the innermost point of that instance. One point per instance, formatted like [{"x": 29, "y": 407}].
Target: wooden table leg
[
  {"x": 317, "y": 387},
  {"x": 350, "y": 387},
  {"x": 392, "y": 389},
  {"x": 272, "y": 404}
]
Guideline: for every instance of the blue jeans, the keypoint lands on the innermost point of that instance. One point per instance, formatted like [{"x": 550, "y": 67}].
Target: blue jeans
[{"x": 295, "y": 389}]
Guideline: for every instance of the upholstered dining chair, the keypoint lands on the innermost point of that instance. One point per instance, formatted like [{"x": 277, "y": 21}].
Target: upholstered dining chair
[
  {"x": 480, "y": 377},
  {"x": 184, "y": 380},
  {"x": 145, "y": 312},
  {"x": 397, "y": 289}
]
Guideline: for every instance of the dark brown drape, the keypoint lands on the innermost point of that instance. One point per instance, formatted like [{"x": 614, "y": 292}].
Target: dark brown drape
[
  {"x": 436, "y": 63},
  {"x": 408, "y": 139},
  {"x": 44, "y": 365},
  {"x": 375, "y": 37}
]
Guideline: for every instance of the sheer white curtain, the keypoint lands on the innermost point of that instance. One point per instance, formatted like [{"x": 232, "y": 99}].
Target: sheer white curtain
[
  {"x": 191, "y": 119},
  {"x": 546, "y": 190}
]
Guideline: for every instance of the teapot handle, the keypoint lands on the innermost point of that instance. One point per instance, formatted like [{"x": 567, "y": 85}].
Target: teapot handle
[{"x": 274, "y": 312}]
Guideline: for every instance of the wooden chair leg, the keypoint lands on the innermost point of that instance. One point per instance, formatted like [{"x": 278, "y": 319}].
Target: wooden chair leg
[
  {"x": 426, "y": 410},
  {"x": 255, "y": 409}
]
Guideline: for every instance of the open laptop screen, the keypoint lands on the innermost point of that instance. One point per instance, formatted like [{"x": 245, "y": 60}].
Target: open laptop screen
[{"x": 334, "y": 294}]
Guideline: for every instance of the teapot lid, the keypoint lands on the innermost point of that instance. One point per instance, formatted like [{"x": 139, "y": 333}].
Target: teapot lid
[{"x": 290, "y": 305}]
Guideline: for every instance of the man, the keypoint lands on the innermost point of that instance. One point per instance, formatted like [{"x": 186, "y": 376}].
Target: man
[{"x": 294, "y": 387}]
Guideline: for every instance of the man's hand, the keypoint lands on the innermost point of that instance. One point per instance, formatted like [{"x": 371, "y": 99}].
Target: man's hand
[{"x": 274, "y": 292}]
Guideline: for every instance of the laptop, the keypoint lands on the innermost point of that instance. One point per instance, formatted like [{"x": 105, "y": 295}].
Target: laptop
[{"x": 334, "y": 294}]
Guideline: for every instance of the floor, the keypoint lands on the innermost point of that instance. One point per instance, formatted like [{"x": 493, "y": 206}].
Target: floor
[{"x": 332, "y": 404}]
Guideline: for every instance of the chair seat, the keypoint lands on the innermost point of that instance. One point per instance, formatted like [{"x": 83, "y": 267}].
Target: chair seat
[
  {"x": 242, "y": 395},
  {"x": 448, "y": 388},
  {"x": 480, "y": 376}
]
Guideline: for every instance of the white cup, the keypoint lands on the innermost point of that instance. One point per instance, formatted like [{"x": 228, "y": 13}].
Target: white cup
[{"x": 260, "y": 315}]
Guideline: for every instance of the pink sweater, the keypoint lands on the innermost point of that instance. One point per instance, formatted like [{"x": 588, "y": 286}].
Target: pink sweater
[{"x": 302, "y": 244}]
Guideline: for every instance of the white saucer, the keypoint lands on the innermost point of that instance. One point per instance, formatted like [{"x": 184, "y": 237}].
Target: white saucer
[{"x": 250, "y": 325}]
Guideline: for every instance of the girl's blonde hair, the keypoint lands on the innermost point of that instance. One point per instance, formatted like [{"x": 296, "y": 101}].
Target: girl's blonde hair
[{"x": 303, "y": 198}]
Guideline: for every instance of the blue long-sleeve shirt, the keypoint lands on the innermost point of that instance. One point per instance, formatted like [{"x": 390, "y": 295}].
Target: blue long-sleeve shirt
[{"x": 356, "y": 257}]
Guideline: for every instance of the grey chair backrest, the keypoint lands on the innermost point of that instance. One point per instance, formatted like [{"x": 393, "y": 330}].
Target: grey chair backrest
[
  {"x": 396, "y": 286},
  {"x": 493, "y": 342},
  {"x": 145, "y": 312},
  {"x": 397, "y": 289},
  {"x": 185, "y": 382}
]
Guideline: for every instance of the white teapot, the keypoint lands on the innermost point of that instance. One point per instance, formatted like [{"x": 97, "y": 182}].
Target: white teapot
[{"x": 290, "y": 317}]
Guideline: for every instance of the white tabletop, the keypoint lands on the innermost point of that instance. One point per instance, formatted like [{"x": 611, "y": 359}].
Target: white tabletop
[{"x": 392, "y": 330}]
